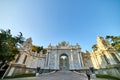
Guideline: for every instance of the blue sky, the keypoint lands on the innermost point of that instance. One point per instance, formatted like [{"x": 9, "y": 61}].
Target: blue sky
[{"x": 53, "y": 21}]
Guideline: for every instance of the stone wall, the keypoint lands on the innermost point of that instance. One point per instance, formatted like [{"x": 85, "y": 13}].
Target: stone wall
[
  {"x": 105, "y": 59},
  {"x": 73, "y": 52},
  {"x": 16, "y": 69}
]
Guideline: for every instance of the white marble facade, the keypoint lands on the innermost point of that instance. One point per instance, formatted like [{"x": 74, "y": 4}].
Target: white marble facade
[
  {"x": 104, "y": 55},
  {"x": 76, "y": 59},
  {"x": 73, "y": 52},
  {"x": 51, "y": 60}
]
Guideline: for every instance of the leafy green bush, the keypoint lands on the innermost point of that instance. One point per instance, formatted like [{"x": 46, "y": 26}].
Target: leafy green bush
[
  {"x": 21, "y": 76},
  {"x": 107, "y": 77}
]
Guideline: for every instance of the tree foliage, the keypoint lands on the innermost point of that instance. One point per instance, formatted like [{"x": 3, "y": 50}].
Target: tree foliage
[
  {"x": 115, "y": 41},
  {"x": 37, "y": 48},
  {"x": 44, "y": 51},
  {"x": 9, "y": 45},
  {"x": 34, "y": 48}
]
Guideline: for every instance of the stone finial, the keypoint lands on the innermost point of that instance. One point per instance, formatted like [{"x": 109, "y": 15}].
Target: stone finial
[
  {"x": 63, "y": 43},
  {"x": 77, "y": 46},
  {"x": 49, "y": 45}
]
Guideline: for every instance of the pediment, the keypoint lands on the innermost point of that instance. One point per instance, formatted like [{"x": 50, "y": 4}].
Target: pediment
[{"x": 63, "y": 44}]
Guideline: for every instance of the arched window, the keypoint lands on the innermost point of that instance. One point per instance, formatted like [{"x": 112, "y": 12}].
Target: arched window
[
  {"x": 115, "y": 58},
  {"x": 25, "y": 59},
  {"x": 18, "y": 57},
  {"x": 106, "y": 59}
]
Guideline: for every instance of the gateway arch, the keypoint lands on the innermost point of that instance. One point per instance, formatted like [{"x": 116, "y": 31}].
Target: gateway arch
[{"x": 64, "y": 57}]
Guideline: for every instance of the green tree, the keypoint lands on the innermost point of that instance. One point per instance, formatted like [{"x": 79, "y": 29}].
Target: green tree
[
  {"x": 115, "y": 41},
  {"x": 34, "y": 48},
  {"x": 9, "y": 46},
  {"x": 39, "y": 49},
  {"x": 44, "y": 51}
]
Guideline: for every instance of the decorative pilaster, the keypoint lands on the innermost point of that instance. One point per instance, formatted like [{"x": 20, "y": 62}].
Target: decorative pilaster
[
  {"x": 81, "y": 60},
  {"x": 55, "y": 61},
  {"x": 95, "y": 60},
  {"x": 72, "y": 64},
  {"x": 47, "y": 60}
]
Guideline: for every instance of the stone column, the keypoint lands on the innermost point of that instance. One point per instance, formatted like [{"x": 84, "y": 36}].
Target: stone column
[
  {"x": 97, "y": 62},
  {"x": 45, "y": 64},
  {"x": 93, "y": 61},
  {"x": 81, "y": 60},
  {"x": 47, "y": 61},
  {"x": 71, "y": 60},
  {"x": 44, "y": 61},
  {"x": 56, "y": 61}
]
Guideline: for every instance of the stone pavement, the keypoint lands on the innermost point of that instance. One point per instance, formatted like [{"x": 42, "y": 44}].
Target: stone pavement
[{"x": 60, "y": 75}]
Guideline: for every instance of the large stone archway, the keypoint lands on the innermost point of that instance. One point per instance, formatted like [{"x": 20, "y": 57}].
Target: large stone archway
[
  {"x": 64, "y": 62},
  {"x": 72, "y": 54}
]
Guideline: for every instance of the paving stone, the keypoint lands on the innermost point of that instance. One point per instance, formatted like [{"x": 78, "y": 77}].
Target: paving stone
[{"x": 60, "y": 75}]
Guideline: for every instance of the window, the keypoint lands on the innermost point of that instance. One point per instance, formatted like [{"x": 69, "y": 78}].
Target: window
[
  {"x": 25, "y": 59},
  {"x": 106, "y": 59},
  {"x": 18, "y": 57},
  {"x": 115, "y": 58}
]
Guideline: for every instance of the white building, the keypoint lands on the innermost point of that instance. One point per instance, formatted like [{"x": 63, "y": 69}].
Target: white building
[{"x": 65, "y": 56}]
